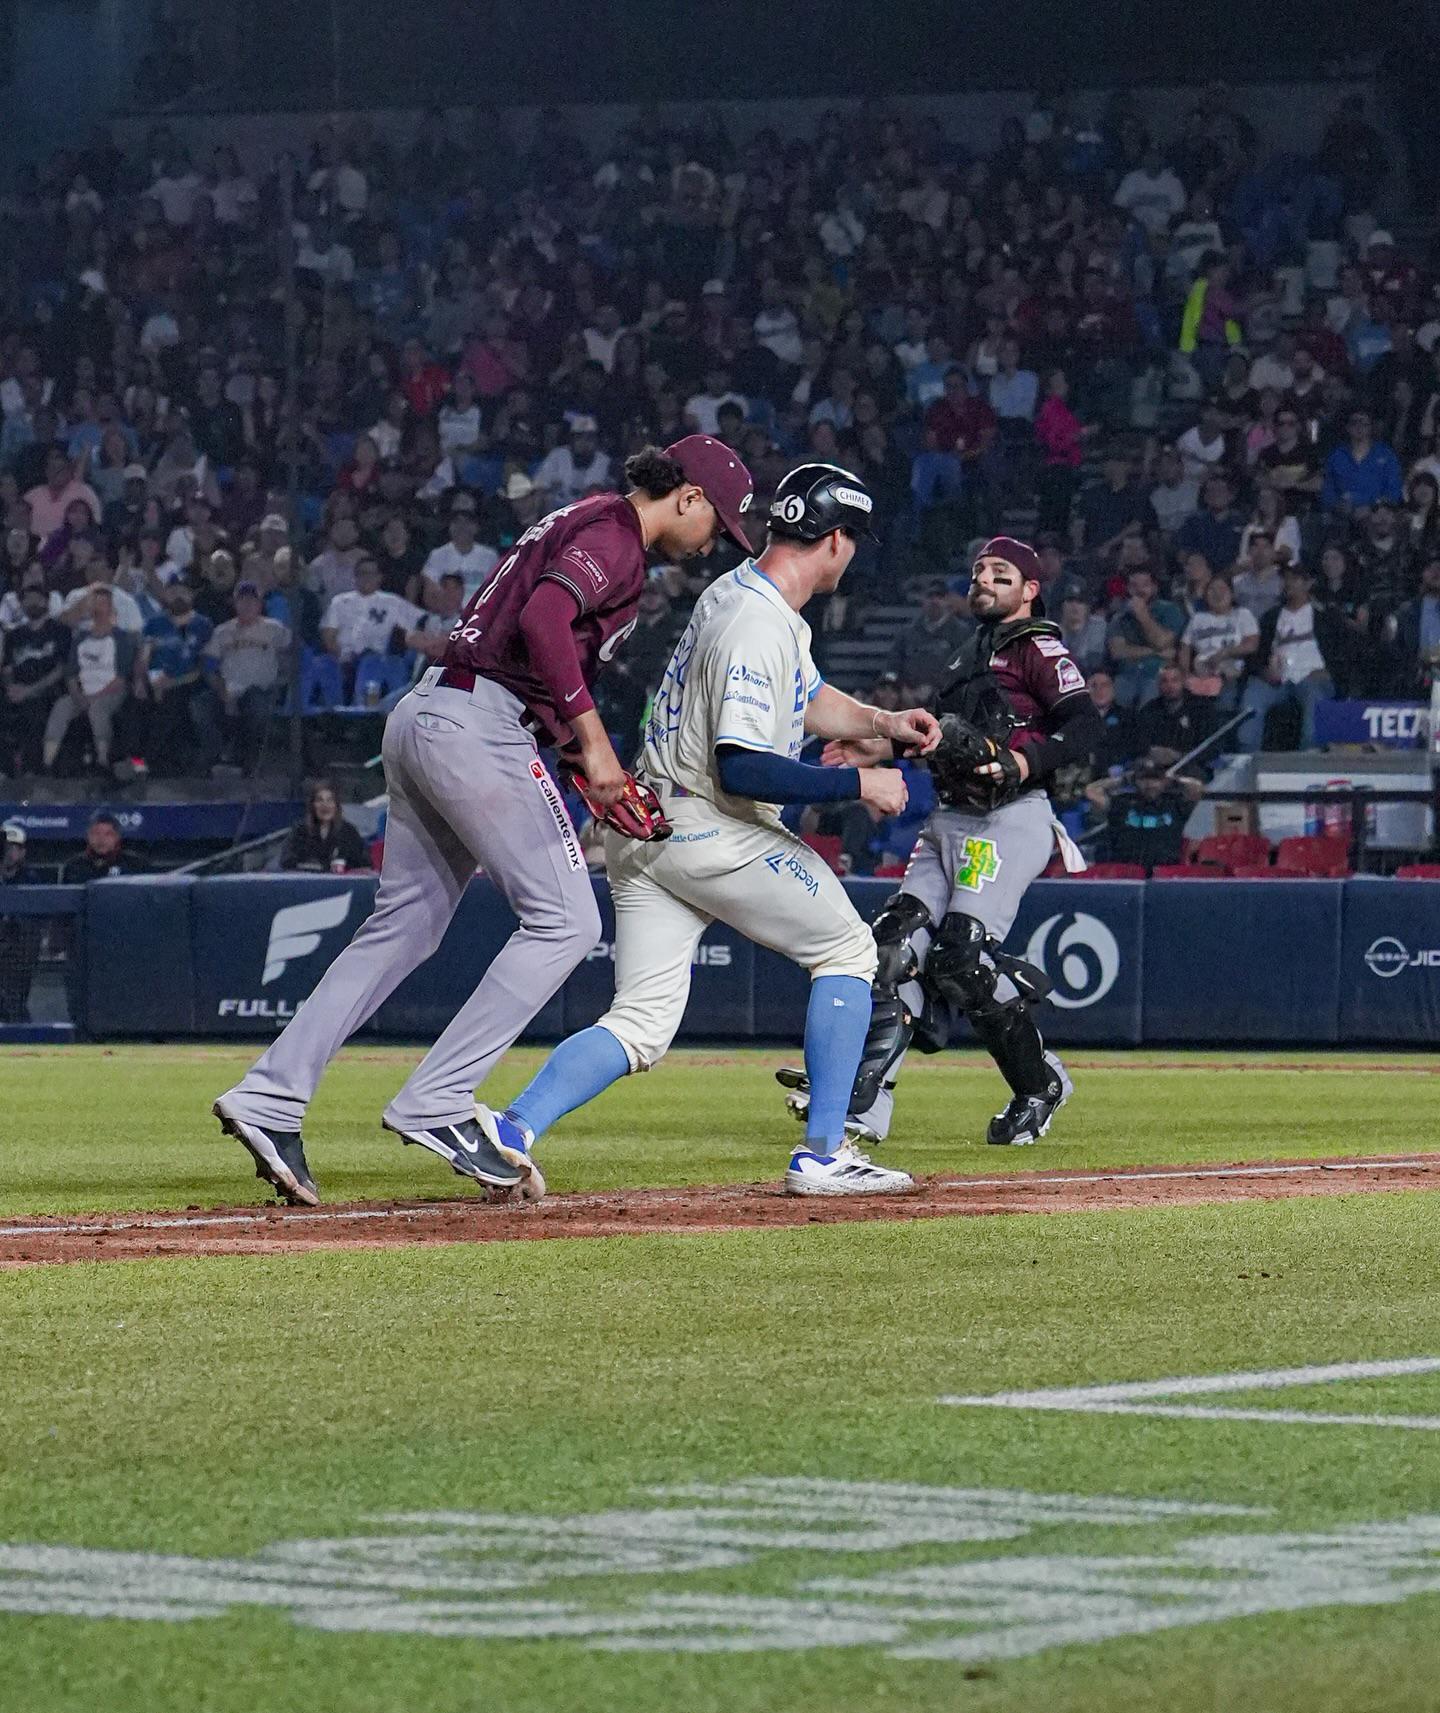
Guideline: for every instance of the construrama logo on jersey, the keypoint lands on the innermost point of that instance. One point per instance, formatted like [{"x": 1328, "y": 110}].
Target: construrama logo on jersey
[
  {"x": 1079, "y": 954},
  {"x": 296, "y": 931}
]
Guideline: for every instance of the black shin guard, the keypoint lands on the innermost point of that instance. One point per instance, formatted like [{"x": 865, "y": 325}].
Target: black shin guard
[
  {"x": 891, "y": 1026},
  {"x": 1010, "y": 1036},
  {"x": 891, "y": 1020},
  {"x": 963, "y": 968}
]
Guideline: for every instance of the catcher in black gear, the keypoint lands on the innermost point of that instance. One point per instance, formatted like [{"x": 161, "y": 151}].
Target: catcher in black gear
[{"x": 1012, "y": 709}]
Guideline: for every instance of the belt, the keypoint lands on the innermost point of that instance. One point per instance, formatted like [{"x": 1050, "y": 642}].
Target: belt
[{"x": 456, "y": 678}]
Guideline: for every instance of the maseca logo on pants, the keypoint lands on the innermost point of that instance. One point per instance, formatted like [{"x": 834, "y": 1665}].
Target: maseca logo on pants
[{"x": 1079, "y": 954}]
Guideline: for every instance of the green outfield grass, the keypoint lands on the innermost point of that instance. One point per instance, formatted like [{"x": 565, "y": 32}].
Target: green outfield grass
[
  {"x": 711, "y": 1472},
  {"x": 130, "y": 1127}
]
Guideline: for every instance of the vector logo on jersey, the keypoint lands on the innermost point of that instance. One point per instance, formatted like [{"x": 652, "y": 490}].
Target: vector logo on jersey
[{"x": 296, "y": 930}]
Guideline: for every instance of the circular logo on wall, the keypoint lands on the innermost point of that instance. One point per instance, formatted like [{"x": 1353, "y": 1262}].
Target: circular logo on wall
[
  {"x": 1386, "y": 957},
  {"x": 1079, "y": 954}
]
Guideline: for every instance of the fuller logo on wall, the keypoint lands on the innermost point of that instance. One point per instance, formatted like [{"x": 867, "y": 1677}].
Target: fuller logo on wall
[{"x": 296, "y": 930}]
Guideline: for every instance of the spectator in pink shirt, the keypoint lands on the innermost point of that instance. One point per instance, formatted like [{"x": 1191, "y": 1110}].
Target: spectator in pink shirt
[
  {"x": 49, "y": 500},
  {"x": 491, "y": 362},
  {"x": 1059, "y": 436}
]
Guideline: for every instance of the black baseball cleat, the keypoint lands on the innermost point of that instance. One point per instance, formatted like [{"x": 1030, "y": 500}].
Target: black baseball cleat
[
  {"x": 279, "y": 1155},
  {"x": 1027, "y": 1117},
  {"x": 467, "y": 1150}
]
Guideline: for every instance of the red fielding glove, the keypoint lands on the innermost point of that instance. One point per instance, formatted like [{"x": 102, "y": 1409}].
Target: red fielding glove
[{"x": 637, "y": 814}]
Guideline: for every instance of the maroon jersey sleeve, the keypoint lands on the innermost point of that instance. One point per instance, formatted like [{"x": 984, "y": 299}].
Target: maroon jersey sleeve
[
  {"x": 596, "y": 565},
  {"x": 594, "y": 550},
  {"x": 1048, "y": 671}
]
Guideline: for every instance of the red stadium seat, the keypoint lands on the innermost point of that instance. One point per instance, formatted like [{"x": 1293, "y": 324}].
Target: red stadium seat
[
  {"x": 1418, "y": 871},
  {"x": 827, "y": 846},
  {"x": 1112, "y": 871},
  {"x": 891, "y": 871},
  {"x": 1188, "y": 871},
  {"x": 1262, "y": 871},
  {"x": 1319, "y": 857},
  {"x": 1230, "y": 850}
]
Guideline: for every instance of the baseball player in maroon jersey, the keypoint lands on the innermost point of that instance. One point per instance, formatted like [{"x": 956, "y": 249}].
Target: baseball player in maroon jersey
[
  {"x": 1013, "y": 707},
  {"x": 467, "y": 786}
]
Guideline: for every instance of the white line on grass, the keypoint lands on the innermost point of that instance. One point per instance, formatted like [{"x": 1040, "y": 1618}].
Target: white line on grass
[{"x": 1133, "y": 1397}]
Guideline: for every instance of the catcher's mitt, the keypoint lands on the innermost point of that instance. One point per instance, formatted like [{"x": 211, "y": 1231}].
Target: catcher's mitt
[
  {"x": 637, "y": 814},
  {"x": 964, "y": 749}
]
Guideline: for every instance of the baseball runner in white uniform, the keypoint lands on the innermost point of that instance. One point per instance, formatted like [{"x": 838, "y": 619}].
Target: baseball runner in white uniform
[{"x": 739, "y": 697}]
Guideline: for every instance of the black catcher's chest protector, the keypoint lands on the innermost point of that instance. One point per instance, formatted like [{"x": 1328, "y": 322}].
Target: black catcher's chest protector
[{"x": 972, "y": 689}]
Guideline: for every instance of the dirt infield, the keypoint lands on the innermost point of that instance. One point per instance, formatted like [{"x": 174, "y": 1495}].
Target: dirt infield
[{"x": 631, "y": 1213}]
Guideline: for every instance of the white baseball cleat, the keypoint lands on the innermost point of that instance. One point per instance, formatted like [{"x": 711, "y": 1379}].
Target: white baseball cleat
[
  {"x": 846, "y": 1172},
  {"x": 513, "y": 1143}
]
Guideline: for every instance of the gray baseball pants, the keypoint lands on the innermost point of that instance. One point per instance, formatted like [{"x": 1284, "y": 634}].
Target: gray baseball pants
[
  {"x": 466, "y": 787},
  {"x": 978, "y": 863}
]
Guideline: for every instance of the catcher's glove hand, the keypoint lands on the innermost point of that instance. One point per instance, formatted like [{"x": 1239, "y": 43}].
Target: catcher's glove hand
[
  {"x": 637, "y": 814},
  {"x": 957, "y": 761}
]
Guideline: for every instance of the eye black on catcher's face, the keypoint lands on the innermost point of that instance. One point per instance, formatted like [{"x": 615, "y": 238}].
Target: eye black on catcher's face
[{"x": 997, "y": 589}]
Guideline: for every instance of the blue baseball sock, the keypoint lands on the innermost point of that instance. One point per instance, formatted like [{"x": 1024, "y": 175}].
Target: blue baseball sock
[
  {"x": 575, "y": 1072},
  {"x": 836, "y": 1024}
]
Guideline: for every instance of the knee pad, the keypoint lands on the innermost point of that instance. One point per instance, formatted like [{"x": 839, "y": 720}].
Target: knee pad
[
  {"x": 955, "y": 970},
  {"x": 901, "y": 918}
]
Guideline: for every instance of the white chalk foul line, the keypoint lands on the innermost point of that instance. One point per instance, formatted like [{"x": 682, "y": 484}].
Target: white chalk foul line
[
  {"x": 1141, "y": 1397},
  {"x": 276, "y": 1218},
  {"x": 1060, "y": 1180}
]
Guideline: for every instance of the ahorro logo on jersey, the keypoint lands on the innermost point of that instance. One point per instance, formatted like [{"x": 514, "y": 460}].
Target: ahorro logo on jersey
[
  {"x": 296, "y": 930},
  {"x": 743, "y": 675}
]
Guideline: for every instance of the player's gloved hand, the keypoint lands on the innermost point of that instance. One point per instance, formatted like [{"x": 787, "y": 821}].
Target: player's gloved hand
[
  {"x": 636, "y": 812},
  {"x": 883, "y": 790},
  {"x": 913, "y": 731},
  {"x": 971, "y": 767}
]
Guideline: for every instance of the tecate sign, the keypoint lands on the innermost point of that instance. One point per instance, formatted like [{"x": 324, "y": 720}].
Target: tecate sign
[{"x": 1387, "y": 957}]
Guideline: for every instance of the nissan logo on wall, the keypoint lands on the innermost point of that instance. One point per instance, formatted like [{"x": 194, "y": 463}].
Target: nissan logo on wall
[{"x": 1388, "y": 957}]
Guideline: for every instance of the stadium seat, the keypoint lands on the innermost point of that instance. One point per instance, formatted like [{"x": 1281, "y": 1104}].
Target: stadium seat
[
  {"x": 389, "y": 673},
  {"x": 1264, "y": 871},
  {"x": 1112, "y": 871},
  {"x": 1188, "y": 871},
  {"x": 320, "y": 685},
  {"x": 1319, "y": 857},
  {"x": 1418, "y": 871},
  {"x": 1230, "y": 850},
  {"x": 827, "y": 846},
  {"x": 891, "y": 871}
]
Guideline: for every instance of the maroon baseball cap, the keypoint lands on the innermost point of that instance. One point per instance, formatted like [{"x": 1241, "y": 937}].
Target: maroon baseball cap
[
  {"x": 1023, "y": 557},
  {"x": 727, "y": 484}
]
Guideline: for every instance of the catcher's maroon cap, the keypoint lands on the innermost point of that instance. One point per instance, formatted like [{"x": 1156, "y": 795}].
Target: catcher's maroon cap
[
  {"x": 1022, "y": 556},
  {"x": 728, "y": 485}
]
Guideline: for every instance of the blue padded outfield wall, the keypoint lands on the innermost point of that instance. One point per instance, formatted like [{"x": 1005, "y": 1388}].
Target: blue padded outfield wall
[{"x": 1250, "y": 961}]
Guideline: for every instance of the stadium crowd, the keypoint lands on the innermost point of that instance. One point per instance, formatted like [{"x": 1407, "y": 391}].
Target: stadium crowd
[{"x": 1206, "y": 377}]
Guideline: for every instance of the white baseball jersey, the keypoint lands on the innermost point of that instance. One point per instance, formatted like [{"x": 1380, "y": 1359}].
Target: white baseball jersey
[{"x": 741, "y": 674}]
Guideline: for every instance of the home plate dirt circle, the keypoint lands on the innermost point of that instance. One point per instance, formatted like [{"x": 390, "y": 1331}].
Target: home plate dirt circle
[{"x": 274, "y": 1230}]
